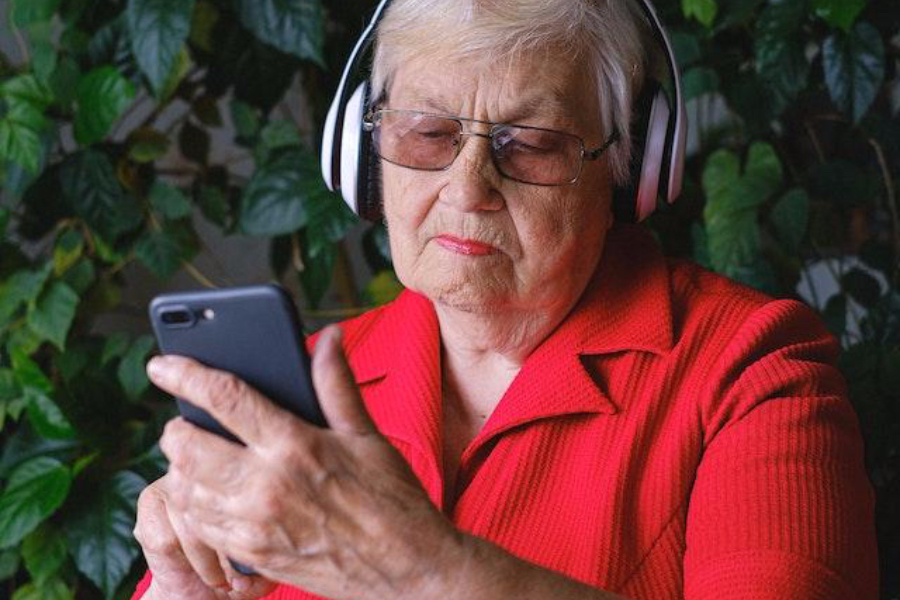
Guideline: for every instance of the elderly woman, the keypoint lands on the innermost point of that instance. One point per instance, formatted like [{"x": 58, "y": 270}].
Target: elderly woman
[{"x": 551, "y": 409}]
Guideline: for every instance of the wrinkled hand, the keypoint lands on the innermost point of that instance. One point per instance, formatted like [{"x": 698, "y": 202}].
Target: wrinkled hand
[
  {"x": 337, "y": 512},
  {"x": 183, "y": 567}
]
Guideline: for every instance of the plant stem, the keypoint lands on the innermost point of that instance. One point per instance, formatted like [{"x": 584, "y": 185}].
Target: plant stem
[
  {"x": 20, "y": 42},
  {"x": 891, "y": 193}
]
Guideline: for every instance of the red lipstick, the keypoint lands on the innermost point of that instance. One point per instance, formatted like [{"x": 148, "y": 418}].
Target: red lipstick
[{"x": 467, "y": 247}]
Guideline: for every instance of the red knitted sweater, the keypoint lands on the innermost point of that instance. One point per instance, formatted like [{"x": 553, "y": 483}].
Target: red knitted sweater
[{"x": 678, "y": 436}]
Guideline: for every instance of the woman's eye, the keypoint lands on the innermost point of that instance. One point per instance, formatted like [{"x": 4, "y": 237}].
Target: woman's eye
[{"x": 433, "y": 134}]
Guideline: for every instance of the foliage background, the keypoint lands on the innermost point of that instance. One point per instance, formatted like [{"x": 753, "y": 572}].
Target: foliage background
[{"x": 108, "y": 112}]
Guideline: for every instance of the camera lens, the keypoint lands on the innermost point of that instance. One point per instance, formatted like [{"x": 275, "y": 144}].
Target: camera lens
[{"x": 176, "y": 317}]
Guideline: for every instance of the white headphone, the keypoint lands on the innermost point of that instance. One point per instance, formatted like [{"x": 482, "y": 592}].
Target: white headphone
[{"x": 350, "y": 165}]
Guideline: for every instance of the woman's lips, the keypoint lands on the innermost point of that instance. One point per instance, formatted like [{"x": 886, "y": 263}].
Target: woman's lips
[{"x": 467, "y": 247}]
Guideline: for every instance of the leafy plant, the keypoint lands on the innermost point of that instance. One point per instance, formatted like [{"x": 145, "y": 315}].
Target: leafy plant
[
  {"x": 108, "y": 109},
  {"x": 108, "y": 112}
]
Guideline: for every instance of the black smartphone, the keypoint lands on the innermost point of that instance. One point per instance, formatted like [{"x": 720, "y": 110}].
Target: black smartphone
[{"x": 253, "y": 332}]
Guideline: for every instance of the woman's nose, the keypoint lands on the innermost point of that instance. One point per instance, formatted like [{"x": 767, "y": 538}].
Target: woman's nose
[{"x": 472, "y": 181}]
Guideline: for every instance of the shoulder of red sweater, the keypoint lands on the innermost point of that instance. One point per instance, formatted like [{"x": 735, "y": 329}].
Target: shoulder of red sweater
[{"x": 732, "y": 312}]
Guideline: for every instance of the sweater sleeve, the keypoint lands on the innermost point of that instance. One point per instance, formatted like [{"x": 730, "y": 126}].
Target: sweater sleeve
[
  {"x": 142, "y": 586},
  {"x": 781, "y": 506}
]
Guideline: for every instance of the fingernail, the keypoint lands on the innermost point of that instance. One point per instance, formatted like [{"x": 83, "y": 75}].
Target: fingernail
[
  {"x": 241, "y": 583},
  {"x": 157, "y": 368}
]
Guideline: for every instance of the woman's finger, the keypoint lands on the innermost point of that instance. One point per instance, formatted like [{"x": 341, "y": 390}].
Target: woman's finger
[
  {"x": 335, "y": 386},
  {"x": 203, "y": 559}
]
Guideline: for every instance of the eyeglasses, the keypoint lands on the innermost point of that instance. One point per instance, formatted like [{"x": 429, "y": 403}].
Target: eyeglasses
[{"x": 428, "y": 142}]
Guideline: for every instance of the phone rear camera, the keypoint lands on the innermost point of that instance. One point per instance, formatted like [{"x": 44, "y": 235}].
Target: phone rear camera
[{"x": 177, "y": 318}]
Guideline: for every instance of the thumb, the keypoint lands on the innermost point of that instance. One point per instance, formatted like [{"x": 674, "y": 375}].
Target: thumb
[{"x": 335, "y": 386}]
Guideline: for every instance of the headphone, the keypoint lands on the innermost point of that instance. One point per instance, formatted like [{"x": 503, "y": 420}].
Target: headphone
[{"x": 659, "y": 135}]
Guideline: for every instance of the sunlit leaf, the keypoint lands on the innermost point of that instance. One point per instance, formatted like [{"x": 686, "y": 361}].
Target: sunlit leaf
[
  {"x": 839, "y": 13},
  {"x": 702, "y": 10},
  {"x": 103, "y": 94}
]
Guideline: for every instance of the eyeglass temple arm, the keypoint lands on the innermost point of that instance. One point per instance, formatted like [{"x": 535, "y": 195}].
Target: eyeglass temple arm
[{"x": 595, "y": 154}]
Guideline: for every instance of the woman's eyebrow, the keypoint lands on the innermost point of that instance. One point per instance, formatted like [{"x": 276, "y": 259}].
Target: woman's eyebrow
[{"x": 553, "y": 106}]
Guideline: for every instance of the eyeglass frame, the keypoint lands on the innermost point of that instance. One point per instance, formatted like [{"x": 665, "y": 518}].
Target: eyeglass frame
[{"x": 586, "y": 155}]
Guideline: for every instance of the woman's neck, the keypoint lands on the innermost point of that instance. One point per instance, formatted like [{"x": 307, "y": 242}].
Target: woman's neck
[{"x": 481, "y": 353}]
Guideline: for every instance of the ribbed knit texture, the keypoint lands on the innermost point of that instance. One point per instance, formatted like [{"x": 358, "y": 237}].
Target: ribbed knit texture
[{"x": 678, "y": 436}]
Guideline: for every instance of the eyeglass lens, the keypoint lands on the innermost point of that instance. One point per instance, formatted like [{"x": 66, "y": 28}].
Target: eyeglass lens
[{"x": 428, "y": 142}]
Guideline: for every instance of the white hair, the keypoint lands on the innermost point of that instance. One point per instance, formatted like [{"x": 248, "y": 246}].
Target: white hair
[{"x": 608, "y": 35}]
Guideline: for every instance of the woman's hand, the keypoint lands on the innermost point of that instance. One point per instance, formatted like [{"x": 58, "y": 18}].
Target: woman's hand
[
  {"x": 336, "y": 512},
  {"x": 183, "y": 567}
]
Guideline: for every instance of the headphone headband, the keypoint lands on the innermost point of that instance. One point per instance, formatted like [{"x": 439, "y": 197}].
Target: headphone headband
[{"x": 346, "y": 161}]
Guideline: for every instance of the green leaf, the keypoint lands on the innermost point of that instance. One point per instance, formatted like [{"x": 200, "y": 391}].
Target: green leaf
[
  {"x": 164, "y": 251},
  {"x": 44, "y": 552},
  {"x": 132, "y": 371},
  {"x": 114, "y": 347},
  {"x": 27, "y": 89},
  {"x": 686, "y": 47},
  {"x": 702, "y": 10},
  {"x": 29, "y": 12},
  {"x": 29, "y": 374},
  {"x": 733, "y": 200},
  {"x": 146, "y": 145},
  {"x": 9, "y": 387},
  {"x": 699, "y": 81},
  {"x": 22, "y": 123},
  {"x": 23, "y": 287},
  {"x": 103, "y": 94},
  {"x": 64, "y": 82},
  {"x": 329, "y": 221},
  {"x": 245, "y": 119},
  {"x": 839, "y": 13},
  {"x": 854, "y": 68},
  {"x": 214, "y": 205},
  {"x": 158, "y": 29},
  {"x": 91, "y": 187},
  {"x": 46, "y": 417},
  {"x": 53, "y": 313},
  {"x": 791, "y": 218},
  {"x": 35, "y": 490},
  {"x": 169, "y": 201},
  {"x": 275, "y": 200},
  {"x": 99, "y": 531},
  {"x": 68, "y": 249},
  {"x": 81, "y": 276},
  {"x": 55, "y": 589},
  {"x": 293, "y": 26},
  {"x": 315, "y": 278},
  {"x": 274, "y": 136},
  {"x": 780, "y": 56},
  {"x": 383, "y": 288},
  {"x": 9, "y": 563}
]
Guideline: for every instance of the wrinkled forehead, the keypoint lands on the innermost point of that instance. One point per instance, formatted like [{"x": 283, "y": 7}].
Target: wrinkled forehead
[{"x": 534, "y": 86}]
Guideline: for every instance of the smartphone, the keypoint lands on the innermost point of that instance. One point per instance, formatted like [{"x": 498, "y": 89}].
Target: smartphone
[{"x": 253, "y": 332}]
